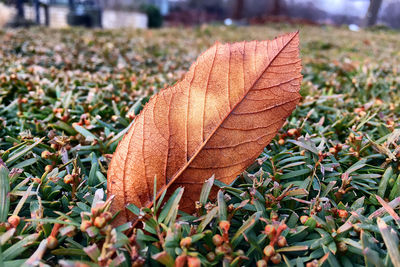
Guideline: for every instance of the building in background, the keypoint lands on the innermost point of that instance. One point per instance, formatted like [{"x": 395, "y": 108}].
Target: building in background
[
  {"x": 129, "y": 13},
  {"x": 59, "y": 11}
]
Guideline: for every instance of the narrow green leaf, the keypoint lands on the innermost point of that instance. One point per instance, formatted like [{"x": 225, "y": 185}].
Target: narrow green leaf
[
  {"x": 160, "y": 200},
  {"x": 207, "y": 219},
  {"x": 247, "y": 225},
  {"x": 48, "y": 220},
  {"x": 4, "y": 237},
  {"x": 60, "y": 125},
  {"x": 119, "y": 135},
  {"x": 293, "y": 174},
  {"x": 292, "y": 248},
  {"x": 18, "y": 248},
  {"x": 372, "y": 257},
  {"x": 222, "y": 210},
  {"x": 14, "y": 263},
  {"x": 197, "y": 237},
  {"x": 155, "y": 193},
  {"x": 4, "y": 193},
  {"x": 133, "y": 208},
  {"x": 92, "y": 180},
  {"x": 164, "y": 258},
  {"x": 23, "y": 199},
  {"x": 290, "y": 159},
  {"x": 287, "y": 261},
  {"x": 328, "y": 188},
  {"x": 391, "y": 241},
  {"x": 356, "y": 166},
  {"x": 85, "y": 133},
  {"x": 384, "y": 181},
  {"x": 25, "y": 163},
  {"x": 68, "y": 252},
  {"x": 333, "y": 262},
  {"x": 301, "y": 142},
  {"x": 389, "y": 209},
  {"x": 171, "y": 208},
  {"x": 93, "y": 252},
  {"x": 23, "y": 152},
  {"x": 206, "y": 189},
  {"x": 395, "y": 192}
]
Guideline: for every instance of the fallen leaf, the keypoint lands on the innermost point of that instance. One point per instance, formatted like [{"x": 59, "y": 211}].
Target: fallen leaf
[{"x": 216, "y": 120}]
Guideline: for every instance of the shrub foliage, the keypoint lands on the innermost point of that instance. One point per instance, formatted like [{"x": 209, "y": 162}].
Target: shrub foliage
[{"x": 325, "y": 191}]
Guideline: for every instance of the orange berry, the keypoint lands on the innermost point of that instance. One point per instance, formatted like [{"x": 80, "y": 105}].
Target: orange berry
[
  {"x": 276, "y": 259},
  {"x": 52, "y": 242},
  {"x": 313, "y": 263},
  {"x": 186, "y": 242},
  {"x": 270, "y": 230},
  {"x": 343, "y": 213},
  {"x": 281, "y": 141},
  {"x": 65, "y": 118},
  {"x": 282, "y": 241},
  {"x": 210, "y": 256},
  {"x": 85, "y": 225},
  {"x": 217, "y": 240},
  {"x": 193, "y": 262},
  {"x": 333, "y": 150},
  {"x": 180, "y": 261},
  {"x": 262, "y": 263},
  {"x": 224, "y": 225},
  {"x": 114, "y": 117},
  {"x": 46, "y": 154},
  {"x": 226, "y": 248},
  {"x": 269, "y": 251},
  {"x": 303, "y": 219},
  {"x": 14, "y": 220},
  {"x": 342, "y": 246},
  {"x": 99, "y": 222},
  {"x": 292, "y": 132},
  {"x": 68, "y": 179},
  {"x": 48, "y": 168}
]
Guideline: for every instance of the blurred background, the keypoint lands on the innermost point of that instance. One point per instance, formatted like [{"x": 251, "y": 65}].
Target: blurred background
[{"x": 158, "y": 13}]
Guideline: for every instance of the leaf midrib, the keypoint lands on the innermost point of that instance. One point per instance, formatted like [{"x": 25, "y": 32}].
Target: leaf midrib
[{"x": 181, "y": 170}]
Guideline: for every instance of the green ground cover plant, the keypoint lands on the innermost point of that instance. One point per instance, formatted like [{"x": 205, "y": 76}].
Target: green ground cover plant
[{"x": 326, "y": 191}]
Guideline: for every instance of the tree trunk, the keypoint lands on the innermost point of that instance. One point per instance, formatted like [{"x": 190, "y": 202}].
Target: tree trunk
[
  {"x": 372, "y": 13},
  {"x": 238, "y": 11},
  {"x": 276, "y": 8},
  {"x": 20, "y": 9},
  {"x": 37, "y": 11}
]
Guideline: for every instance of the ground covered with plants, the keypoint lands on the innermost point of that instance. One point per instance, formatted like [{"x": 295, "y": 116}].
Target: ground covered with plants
[{"x": 326, "y": 191}]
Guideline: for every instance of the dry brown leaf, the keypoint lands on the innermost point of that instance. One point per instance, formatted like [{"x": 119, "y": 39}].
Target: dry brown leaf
[{"x": 216, "y": 120}]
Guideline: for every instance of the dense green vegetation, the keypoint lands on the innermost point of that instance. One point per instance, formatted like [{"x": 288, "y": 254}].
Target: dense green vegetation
[{"x": 325, "y": 191}]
